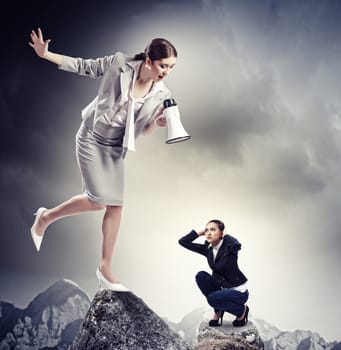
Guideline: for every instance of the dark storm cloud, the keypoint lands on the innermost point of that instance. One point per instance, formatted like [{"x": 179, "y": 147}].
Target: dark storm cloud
[
  {"x": 228, "y": 117},
  {"x": 262, "y": 90}
]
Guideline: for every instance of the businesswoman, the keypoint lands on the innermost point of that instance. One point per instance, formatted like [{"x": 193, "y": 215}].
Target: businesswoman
[
  {"x": 129, "y": 103},
  {"x": 226, "y": 289}
]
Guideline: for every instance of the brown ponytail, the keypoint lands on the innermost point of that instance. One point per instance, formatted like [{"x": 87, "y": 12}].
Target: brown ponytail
[
  {"x": 140, "y": 56},
  {"x": 157, "y": 49}
]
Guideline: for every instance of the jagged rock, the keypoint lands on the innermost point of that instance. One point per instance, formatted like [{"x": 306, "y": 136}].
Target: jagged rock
[
  {"x": 228, "y": 337},
  {"x": 9, "y": 315},
  {"x": 45, "y": 320},
  {"x": 122, "y": 321}
]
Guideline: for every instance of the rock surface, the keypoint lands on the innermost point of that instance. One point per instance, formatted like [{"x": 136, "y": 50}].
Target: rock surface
[
  {"x": 227, "y": 337},
  {"x": 122, "y": 321}
]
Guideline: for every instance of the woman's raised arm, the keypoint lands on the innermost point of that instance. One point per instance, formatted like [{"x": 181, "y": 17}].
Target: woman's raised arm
[{"x": 41, "y": 48}]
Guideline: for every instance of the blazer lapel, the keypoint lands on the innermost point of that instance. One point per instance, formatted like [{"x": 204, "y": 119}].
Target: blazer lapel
[
  {"x": 126, "y": 77},
  {"x": 210, "y": 258},
  {"x": 221, "y": 251},
  {"x": 150, "y": 104},
  {"x": 147, "y": 107}
]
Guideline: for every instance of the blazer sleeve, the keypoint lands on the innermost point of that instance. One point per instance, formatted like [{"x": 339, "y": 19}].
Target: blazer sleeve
[
  {"x": 93, "y": 68},
  {"x": 187, "y": 242}
]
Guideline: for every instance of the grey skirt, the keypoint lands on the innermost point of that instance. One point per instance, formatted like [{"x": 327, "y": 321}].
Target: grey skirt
[{"x": 101, "y": 166}]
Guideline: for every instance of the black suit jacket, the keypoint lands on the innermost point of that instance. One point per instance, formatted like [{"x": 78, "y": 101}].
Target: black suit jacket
[{"x": 225, "y": 266}]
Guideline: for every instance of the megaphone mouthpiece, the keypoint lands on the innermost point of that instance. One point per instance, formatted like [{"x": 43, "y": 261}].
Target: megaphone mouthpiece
[{"x": 169, "y": 103}]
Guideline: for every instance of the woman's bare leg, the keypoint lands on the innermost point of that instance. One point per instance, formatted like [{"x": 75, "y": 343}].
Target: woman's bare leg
[
  {"x": 110, "y": 227},
  {"x": 75, "y": 205}
]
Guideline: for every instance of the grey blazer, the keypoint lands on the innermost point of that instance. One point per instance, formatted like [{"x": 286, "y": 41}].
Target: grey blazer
[{"x": 116, "y": 74}]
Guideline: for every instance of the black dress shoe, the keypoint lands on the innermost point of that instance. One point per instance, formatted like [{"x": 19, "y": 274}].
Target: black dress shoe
[
  {"x": 243, "y": 321},
  {"x": 218, "y": 322}
]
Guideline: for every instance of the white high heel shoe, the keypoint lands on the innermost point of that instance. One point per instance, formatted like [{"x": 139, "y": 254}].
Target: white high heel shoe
[
  {"x": 116, "y": 287},
  {"x": 37, "y": 239}
]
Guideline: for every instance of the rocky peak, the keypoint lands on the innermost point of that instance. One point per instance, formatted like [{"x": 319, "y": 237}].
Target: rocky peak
[
  {"x": 64, "y": 296},
  {"x": 44, "y": 322},
  {"x": 122, "y": 321},
  {"x": 274, "y": 339}
]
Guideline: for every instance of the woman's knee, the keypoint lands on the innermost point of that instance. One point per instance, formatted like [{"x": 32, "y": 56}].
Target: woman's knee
[{"x": 202, "y": 276}]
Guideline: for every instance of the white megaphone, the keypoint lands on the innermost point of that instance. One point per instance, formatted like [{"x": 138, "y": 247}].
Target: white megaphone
[{"x": 176, "y": 132}]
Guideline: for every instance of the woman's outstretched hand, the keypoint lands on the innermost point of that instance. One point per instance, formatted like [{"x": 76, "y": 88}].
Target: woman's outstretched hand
[{"x": 38, "y": 44}]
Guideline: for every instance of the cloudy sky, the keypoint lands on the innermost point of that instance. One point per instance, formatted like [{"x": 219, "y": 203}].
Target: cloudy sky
[{"x": 258, "y": 87}]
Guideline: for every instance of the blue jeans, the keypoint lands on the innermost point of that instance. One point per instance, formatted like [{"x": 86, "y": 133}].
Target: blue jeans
[{"x": 229, "y": 300}]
